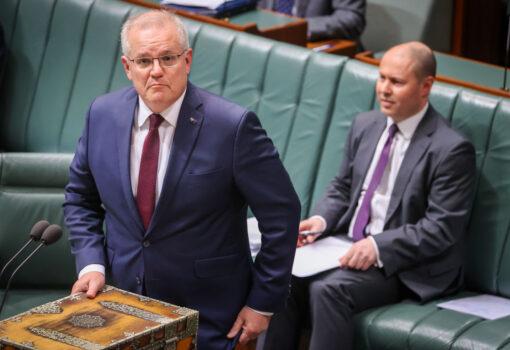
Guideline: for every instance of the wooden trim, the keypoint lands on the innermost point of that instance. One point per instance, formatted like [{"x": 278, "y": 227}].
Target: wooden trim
[
  {"x": 458, "y": 27},
  {"x": 145, "y": 4},
  {"x": 367, "y": 57},
  {"x": 336, "y": 46},
  {"x": 294, "y": 32}
]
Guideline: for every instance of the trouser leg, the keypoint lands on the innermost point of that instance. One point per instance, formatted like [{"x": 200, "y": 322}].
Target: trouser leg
[
  {"x": 335, "y": 296},
  {"x": 285, "y": 327}
]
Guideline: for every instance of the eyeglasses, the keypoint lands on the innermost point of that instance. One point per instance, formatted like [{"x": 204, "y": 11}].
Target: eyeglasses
[{"x": 166, "y": 60}]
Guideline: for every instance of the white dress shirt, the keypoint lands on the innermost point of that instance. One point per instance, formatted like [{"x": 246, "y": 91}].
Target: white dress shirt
[
  {"x": 382, "y": 194},
  {"x": 139, "y": 131}
]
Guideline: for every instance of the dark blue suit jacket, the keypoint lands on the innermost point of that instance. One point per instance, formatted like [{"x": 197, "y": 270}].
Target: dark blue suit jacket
[{"x": 195, "y": 252}]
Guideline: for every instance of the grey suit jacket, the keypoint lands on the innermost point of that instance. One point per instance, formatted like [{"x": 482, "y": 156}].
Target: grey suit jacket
[
  {"x": 329, "y": 19},
  {"x": 429, "y": 207}
]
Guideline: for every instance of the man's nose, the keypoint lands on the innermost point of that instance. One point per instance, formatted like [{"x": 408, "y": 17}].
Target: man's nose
[
  {"x": 386, "y": 87},
  {"x": 156, "y": 68}
]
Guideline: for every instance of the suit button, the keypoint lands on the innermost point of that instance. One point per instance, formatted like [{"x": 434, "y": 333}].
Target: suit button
[
  {"x": 138, "y": 281},
  {"x": 146, "y": 244}
]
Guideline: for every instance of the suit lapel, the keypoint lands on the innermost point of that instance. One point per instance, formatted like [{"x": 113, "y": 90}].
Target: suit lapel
[
  {"x": 419, "y": 144},
  {"x": 124, "y": 115},
  {"x": 367, "y": 150},
  {"x": 186, "y": 133}
]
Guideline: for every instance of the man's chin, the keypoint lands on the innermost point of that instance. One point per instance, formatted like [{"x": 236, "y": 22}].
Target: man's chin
[{"x": 386, "y": 111}]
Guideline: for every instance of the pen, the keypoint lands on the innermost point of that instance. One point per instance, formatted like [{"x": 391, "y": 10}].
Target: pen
[
  {"x": 308, "y": 233},
  {"x": 235, "y": 340}
]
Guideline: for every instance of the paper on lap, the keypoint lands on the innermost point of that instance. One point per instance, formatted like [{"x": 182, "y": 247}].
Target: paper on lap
[{"x": 320, "y": 256}]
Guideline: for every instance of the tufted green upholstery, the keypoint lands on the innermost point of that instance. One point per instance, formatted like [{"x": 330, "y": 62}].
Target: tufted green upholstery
[{"x": 65, "y": 52}]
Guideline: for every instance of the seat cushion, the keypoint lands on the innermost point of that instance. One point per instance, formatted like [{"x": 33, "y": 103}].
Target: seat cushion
[{"x": 410, "y": 325}]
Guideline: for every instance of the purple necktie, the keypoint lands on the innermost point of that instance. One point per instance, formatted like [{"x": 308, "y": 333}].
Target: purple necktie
[
  {"x": 284, "y": 6},
  {"x": 148, "y": 174},
  {"x": 358, "y": 231}
]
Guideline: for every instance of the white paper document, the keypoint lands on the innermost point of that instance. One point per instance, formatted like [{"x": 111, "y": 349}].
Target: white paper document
[
  {"x": 210, "y": 4},
  {"x": 486, "y": 306},
  {"x": 320, "y": 256}
]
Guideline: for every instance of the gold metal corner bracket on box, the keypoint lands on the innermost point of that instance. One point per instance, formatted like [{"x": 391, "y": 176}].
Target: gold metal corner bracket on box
[{"x": 114, "y": 320}]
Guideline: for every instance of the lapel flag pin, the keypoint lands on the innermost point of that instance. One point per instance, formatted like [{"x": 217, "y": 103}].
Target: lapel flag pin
[{"x": 192, "y": 120}]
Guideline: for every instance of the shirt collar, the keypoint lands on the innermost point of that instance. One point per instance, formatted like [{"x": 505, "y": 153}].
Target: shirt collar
[
  {"x": 408, "y": 126},
  {"x": 170, "y": 114}
]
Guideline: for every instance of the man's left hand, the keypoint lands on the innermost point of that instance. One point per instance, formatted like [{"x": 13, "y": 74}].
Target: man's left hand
[
  {"x": 252, "y": 324},
  {"x": 361, "y": 256}
]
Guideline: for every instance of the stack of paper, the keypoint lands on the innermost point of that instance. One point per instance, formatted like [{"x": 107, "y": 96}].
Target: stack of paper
[{"x": 210, "y": 4}]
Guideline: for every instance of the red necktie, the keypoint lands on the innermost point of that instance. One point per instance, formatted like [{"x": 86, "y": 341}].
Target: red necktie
[{"x": 148, "y": 175}]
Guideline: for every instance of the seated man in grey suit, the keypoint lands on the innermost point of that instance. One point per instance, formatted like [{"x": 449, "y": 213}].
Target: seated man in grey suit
[
  {"x": 327, "y": 19},
  {"x": 403, "y": 194}
]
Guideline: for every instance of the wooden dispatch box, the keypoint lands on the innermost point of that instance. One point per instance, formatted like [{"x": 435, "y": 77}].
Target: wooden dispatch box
[{"x": 114, "y": 319}]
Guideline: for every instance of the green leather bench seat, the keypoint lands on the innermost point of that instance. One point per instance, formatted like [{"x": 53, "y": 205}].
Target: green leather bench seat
[
  {"x": 31, "y": 188},
  {"x": 66, "y": 52}
]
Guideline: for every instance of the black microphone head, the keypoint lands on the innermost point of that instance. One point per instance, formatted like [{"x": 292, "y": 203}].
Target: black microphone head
[
  {"x": 38, "y": 229},
  {"x": 51, "y": 234}
]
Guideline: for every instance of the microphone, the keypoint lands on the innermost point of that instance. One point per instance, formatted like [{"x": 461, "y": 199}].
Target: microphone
[
  {"x": 35, "y": 234},
  {"x": 50, "y": 235}
]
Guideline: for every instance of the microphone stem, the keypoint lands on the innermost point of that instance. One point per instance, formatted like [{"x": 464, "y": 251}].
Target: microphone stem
[
  {"x": 12, "y": 275},
  {"x": 14, "y": 257}
]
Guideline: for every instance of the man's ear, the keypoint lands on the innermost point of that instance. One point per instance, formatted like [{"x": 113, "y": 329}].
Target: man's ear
[
  {"x": 127, "y": 67},
  {"x": 188, "y": 57},
  {"x": 427, "y": 85}
]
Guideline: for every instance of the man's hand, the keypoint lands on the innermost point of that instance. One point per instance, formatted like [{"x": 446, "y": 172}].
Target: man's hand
[
  {"x": 313, "y": 225},
  {"x": 89, "y": 283},
  {"x": 251, "y": 322},
  {"x": 360, "y": 256}
]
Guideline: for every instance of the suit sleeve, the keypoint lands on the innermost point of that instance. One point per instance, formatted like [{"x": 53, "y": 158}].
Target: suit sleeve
[
  {"x": 83, "y": 212},
  {"x": 346, "y": 21},
  {"x": 337, "y": 198},
  {"x": 448, "y": 207},
  {"x": 262, "y": 180}
]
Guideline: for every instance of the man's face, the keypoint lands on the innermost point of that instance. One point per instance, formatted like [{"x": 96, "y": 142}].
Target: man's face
[
  {"x": 158, "y": 86},
  {"x": 400, "y": 92}
]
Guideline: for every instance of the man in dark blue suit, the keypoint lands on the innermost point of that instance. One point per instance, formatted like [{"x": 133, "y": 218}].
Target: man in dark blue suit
[{"x": 170, "y": 169}]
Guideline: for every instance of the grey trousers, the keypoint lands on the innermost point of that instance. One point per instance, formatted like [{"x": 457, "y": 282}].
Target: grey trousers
[{"x": 326, "y": 303}]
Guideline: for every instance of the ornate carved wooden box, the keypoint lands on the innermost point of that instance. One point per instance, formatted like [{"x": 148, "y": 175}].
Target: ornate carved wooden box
[{"x": 115, "y": 319}]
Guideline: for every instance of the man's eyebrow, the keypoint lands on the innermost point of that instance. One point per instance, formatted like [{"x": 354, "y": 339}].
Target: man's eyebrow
[{"x": 165, "y": 52}]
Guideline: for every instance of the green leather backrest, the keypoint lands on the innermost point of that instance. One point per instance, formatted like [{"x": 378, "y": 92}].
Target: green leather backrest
[
  {"x": 30, "y": 190},
  {"x": 63, "y": 53},
  {"x": 485, "y": 119},
  {"x": 355, "y": 94}
]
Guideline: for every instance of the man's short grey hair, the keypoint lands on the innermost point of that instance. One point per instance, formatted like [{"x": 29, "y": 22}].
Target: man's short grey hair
[{"x": 156, "y": 18}]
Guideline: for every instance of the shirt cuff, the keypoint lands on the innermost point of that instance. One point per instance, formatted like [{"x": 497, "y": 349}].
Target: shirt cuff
[
  {"x": 92, "y": 268},
  {"x": 324, "y": 223},
  {"x": 379, "y": 262},
  {"x": 260, "y": 312}
]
